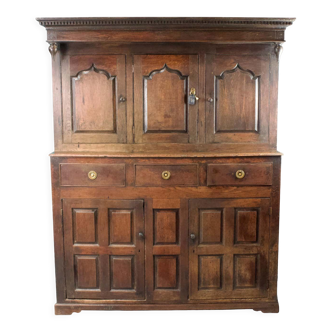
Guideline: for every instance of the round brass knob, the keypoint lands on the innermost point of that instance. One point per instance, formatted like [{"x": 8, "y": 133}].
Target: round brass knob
[
  {"x": 210, "y": 100},
  {"x": 166, "y": 175},
  {"x": 92, "y": 175},
  {"x": 193, "y": 236},
  {"x": 240, "y": 174}
]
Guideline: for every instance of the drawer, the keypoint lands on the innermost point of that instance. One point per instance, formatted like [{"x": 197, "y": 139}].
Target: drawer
[
  {"x": 166, "y": 175},
  {"x": 239, "y": 174},
  {"x": 92, "y": 175}
]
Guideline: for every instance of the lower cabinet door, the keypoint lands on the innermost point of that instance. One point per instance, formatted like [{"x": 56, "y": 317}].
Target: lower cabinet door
[
  {"x": 167, "y": 250},
  {"x": 104, "y": 250},
  {"x": 228, "y": 248}
]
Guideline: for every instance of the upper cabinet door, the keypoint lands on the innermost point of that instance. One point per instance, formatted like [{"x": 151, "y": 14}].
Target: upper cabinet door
[
  {"x": 94, "y": 99},
  {"x": 237, "y": 99},
  {"x": 162, "y": 85}
]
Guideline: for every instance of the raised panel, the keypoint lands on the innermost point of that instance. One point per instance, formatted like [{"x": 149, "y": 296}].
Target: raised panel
[
  {"x": 121, "y": 227},
  {"x": 85, "y": 226},
  {"x": 210, "y": 226},
  {"x": 238, "y": 95},
  {"x": 210, "y": 272},
  {"x": 166, "y": 226},
  {"x": 94, "y": 103},
  {"x": 122, "y": 272},
  {"x": 165, "y": 108},
  {"x": 245, "y": 271},
  {"x": 87, "y": 275},
  {"x": 166, "y": 272},
  {"x": 246, "y": 226},
  {"x": 162, "y": 113},
  {"x": 237, "y": 100},
  {"x": 92, "y": 86}
]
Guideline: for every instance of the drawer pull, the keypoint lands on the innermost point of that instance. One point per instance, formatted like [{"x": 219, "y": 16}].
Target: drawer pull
[
  {"x": 166, "y": 175},
  {"x": 240, "y": 174},
  {"x": 92, "y": 175},
  {"x": 193, "y": 236}
]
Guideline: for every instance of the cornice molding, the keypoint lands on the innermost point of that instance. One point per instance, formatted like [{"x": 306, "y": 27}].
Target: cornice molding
[{"x": 201, "y": 23}]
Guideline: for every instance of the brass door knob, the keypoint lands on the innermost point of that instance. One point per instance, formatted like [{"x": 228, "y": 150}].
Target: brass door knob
[
  {"x": 166, "y": 175},
  {"x": 92, "y": 175},
  {"x": 240, "y": 174},
  {"x": 193, "y": 236},
  {"x": 210, "y": 100}
]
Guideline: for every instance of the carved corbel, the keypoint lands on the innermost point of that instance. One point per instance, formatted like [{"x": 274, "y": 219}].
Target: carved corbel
[
  {"x": 278, "y": 50},
  {"x": 53, "y": 48}
]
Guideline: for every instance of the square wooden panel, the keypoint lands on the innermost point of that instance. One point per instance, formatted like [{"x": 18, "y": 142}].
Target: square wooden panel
[
  {"x": 85, "y": 226},
  {"x": 122, "y": 272},
  {"x": 166, "y": 227},
  {"x": 166, "y": 272},
  {"x": 246, "y": 226},
  {"x": 246, "y": 271},
  {"x": 121, "y": 230},
  {"x": 86, "y": 272},
  {"x": 211, "y": 226},
  {"x": 210, "y": 272}
]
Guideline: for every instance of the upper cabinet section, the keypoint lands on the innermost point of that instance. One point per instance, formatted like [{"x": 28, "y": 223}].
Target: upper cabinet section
[
  {"x": 237, "y": 89},
  {"x": 164, "y": 109},
  {"x": 165, "y": 85}
]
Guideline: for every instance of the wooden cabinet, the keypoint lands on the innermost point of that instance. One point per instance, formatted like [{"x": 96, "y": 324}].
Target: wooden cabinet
[{"x": 165, "y": 174}]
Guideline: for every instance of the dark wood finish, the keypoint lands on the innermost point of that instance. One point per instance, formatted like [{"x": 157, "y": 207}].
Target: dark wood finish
[
  {"x": 180, "y": 175},
  {"x": 161, "y": 87},
  {"x": 238, "y": 86},
  {"x": 225, "y": 174},
  {"x": 108, "y": 262},
  {"x": 127, "y": 237},
  {"x": 221, "y": 266},
  {"x": 78, "y": 175},
  {"x": 92, "y": 111}
]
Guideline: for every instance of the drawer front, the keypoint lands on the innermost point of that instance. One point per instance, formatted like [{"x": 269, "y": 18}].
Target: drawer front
[
  {"x": 92, "y": 175},
  {"x": 166, "y": 175},
  {"x": 239, "y": 174}
]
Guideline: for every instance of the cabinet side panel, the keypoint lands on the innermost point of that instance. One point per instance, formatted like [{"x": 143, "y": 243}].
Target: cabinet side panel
[{"x": 58, "y": 232}]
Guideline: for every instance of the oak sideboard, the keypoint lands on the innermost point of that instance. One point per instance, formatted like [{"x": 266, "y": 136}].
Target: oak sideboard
[{"x": 165, "y": 172}]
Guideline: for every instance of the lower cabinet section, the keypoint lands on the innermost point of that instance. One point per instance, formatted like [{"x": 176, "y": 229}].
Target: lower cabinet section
[{"x": 166, "y": 250}]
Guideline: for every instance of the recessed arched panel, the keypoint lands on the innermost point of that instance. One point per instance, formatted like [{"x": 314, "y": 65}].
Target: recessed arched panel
[
  {"x": 237, "y": 101},
  {"x": 94, "y": 102},
  {"x": 165, "y": 106},
  {"x": 95, "y": 99},
  {"x": 162, "y": 113}
]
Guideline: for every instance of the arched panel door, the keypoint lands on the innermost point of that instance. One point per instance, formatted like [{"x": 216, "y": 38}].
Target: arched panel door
[
  {"x": 95, "y": 108},
  {"x": 237, "y": 99},
  {"x": 162, "y": 85}
]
